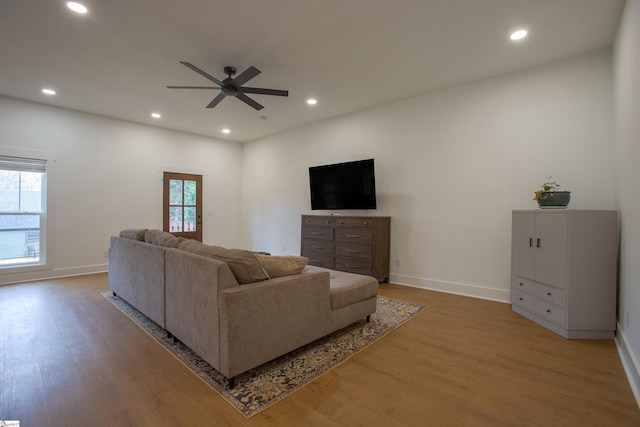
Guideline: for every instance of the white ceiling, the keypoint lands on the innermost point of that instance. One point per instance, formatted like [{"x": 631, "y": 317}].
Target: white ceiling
[{"x": 350, "y": 54}]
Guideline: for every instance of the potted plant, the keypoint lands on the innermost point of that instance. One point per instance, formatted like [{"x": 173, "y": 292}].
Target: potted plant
[{"x": 548, "y": 196}]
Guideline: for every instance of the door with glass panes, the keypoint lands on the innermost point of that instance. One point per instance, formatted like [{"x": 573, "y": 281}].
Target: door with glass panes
[{"x": 182, "y": 205}]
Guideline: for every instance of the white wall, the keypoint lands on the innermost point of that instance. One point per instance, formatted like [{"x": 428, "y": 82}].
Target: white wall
[
  {"x": 627, "y": 111},
  {"x": 107, "y": 176},
  {"x": 450, "y": 167}
]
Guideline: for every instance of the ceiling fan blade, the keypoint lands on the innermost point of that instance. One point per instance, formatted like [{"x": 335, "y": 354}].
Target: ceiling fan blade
[
  {"x": 202, "y": 73},
  {"x": 245, "y": 76},
  {"x": 215, "y": 101},
  {"x": 244, "y": 98},
  {"x": 261, "y": 91},
  {"x": 193, "y": 87}
]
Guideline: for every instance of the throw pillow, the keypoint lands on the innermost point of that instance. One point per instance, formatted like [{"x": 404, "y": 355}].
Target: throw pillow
[
  {"x": 243, "y": 264},
  {"x": 278, "y": 266}
]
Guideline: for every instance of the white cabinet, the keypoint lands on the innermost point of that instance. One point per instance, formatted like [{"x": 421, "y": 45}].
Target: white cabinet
[{"x": 563, "y": 270}]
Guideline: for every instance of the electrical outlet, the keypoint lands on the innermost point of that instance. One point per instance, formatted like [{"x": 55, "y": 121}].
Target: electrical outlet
[{"x": 106, "y": 253}]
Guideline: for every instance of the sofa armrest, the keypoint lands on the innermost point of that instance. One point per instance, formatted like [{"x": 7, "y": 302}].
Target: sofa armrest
[{"x": 264, "y": 320}]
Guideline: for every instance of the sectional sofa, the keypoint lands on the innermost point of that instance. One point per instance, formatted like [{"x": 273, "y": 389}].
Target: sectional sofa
[{"x": 236, "y": 309}]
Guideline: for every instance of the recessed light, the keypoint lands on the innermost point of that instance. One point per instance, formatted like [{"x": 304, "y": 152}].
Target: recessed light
[
  {"x": 226, "y": 131},
  {"x": 156, "y": 115},
  {"x": 48, "y": 91},
  {"x": 312, "y": 101},
  {"x": 518, "y": 35},
  {"x": 77, "y": 7}
]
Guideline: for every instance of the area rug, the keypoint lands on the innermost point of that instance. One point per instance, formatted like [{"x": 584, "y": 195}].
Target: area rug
[{"x": 267, "y": 384}]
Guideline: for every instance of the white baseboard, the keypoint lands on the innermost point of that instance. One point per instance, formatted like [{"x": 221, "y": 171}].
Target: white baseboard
[
  {"x": 629, "y": 362},
  {"x": 30, "y": 276},
  {"x": 500, "y": 295}
]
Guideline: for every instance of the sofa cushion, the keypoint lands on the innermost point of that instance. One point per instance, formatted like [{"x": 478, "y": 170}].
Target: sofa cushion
[
  {"x": 243, "y": 264},
  {"x": 134, "y": 234},
  {"x": 162, "y": 238},
  {"x": 347, "y": 288},
  {"x": 278, "y": 266}
]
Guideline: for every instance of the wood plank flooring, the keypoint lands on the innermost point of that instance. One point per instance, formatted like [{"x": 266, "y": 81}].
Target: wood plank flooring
[{"x": 68, "y": 357}]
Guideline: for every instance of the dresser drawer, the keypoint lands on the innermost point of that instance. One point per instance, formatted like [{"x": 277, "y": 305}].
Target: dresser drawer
[
  {"x": 353, "y": 266},
  {"x": 317, "y": 221},
  {"x": 317, "y": 246},
  {"x": 539, "y": 307},
  {"x": 317, "y": 233},
  {"x": 546, "y": 293},
  {"x": 320, "y": 260},
  {"x": 355, "y": 251},
  {"x": 354, "y": 222},
  {"x": 354, "y": 235}
]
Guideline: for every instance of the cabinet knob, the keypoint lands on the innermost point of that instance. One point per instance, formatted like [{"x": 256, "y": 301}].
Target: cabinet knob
[
  {"x": 548, "y": 311},
  {"x": 521, "y": 284},
  {"x": 341, "y": 222},
  {"x": 366, "y": 223},
  {"x": 520, "y": 298},
  {"x": 549, "y": 293}
]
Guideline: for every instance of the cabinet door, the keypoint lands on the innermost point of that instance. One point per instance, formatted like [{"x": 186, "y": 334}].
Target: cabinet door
[
  {"x": 552, "y": 251},
  {"x": 523, "y": 244}
]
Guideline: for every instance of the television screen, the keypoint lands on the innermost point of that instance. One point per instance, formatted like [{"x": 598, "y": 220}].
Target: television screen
[{"x": 350, "y": 185}]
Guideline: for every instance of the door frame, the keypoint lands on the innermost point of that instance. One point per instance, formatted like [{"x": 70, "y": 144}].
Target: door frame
[{"x": 199, "y": 178}]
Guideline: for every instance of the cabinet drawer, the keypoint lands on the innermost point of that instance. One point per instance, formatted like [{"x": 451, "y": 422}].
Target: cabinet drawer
[
  {"x": 320, "y": 260},
  {"x": 355, "y": 251},
  {"x": 317, "y": 246},
  {"x": 354, "y": 235},
  {"x": 538, "y": 307},
  {"x": 354, "y": 222},
  {"x": 353, "y": 266},
  {"x": 317, "y": 221},
  {"x": 546, "y": 293},
  {"x": 317, "y": 233}
]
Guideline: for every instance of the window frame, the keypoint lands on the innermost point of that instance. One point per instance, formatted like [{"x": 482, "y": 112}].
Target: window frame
[{"x": 44, "y": 262}]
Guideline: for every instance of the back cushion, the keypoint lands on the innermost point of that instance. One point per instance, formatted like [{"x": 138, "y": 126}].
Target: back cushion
[
  {"x": 162, "y": 238},
  {"x": 134, "y": 234},
  {"x": 243, "y": 264}
]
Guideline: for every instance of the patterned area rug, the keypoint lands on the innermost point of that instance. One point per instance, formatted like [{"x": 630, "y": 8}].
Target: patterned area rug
[{"x": 267, "y": 384}]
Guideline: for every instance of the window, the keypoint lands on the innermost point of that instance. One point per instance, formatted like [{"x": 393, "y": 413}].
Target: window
[{"x": 22, "y": 211}]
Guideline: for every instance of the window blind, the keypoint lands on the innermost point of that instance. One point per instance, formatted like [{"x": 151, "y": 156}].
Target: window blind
[{"x": 20, "y": 164}]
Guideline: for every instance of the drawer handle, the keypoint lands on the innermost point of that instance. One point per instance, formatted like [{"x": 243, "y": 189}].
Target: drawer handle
[
  {"x": 355, "y": 251},
  {"x": 317, "y": 233},
  {"x": 530, "y": 242},
  {"x": 548, "y": 311},
  {"x": 353, "y": 235},
  {"x": 521, "y": 284},
  {"x": 520, "y": 298},
  {"x": 340, "y": 222},
  {"x": 352, "y": 265},
  {"x": 548, "y": 293},
  {"x": 317, "y": 247},
  {"x": 366, "y": 223},
  {"x": 317, "y": 260},
  {"x": 538, "y": 243}
]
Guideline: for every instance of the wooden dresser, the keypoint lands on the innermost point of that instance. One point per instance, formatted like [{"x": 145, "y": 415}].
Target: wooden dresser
[{"x": 357, "y": 244}]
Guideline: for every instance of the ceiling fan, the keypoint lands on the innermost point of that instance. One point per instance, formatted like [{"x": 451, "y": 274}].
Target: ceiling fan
[{"x": 233, "y": 87}]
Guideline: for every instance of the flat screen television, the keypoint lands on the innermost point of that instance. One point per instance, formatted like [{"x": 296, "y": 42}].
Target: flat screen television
[{"x": 350, "y": 185}]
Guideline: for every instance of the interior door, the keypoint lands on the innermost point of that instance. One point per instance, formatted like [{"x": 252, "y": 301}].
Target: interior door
[{"x": 182, "y": 205}]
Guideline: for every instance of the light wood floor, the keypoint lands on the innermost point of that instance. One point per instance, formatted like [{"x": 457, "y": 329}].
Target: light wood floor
[{"x": 69, "y": 358}]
